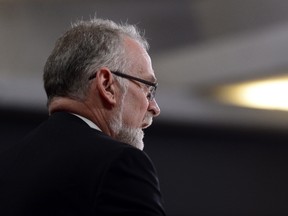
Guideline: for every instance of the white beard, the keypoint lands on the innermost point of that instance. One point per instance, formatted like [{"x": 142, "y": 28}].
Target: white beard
[
  {"x": 126, "y": 134},
  {"x": 132, "y": 136}
]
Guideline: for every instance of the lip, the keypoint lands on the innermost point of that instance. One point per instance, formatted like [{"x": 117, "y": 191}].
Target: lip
[
  {"x": 145, "y": 125},
  {"x": 147, "y": 122}
]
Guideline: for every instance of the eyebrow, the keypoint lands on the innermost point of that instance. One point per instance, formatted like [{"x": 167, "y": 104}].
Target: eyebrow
[
  {"x": 150, "y": 78},
  {"x": 153, "y": 79}
]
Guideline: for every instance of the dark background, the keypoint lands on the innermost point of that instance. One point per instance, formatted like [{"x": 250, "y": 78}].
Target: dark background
[
  {"x": 203, "y": 170},
  {"x": 212, "y": 159}
]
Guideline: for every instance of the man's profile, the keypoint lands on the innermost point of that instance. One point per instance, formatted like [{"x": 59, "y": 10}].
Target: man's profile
[{"x": 87, "y": 158}]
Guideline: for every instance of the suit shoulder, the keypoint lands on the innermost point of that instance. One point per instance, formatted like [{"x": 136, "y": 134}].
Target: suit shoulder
[{"x": 131, "y": 184}]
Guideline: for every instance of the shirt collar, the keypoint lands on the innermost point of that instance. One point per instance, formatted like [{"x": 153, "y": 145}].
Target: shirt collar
[{"x": 90, "y": 123}]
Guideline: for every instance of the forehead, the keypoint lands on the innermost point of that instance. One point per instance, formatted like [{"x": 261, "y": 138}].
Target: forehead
[{"x": 141, "y": 61}]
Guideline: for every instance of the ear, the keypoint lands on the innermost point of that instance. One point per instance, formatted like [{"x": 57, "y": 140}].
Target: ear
[{"x": 106, "y": 86}]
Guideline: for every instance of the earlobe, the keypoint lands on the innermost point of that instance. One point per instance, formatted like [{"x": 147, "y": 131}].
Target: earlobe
[{"x": 106, "y": 85}]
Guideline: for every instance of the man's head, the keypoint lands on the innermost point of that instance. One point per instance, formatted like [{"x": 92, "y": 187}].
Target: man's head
[{"x": 87, "y": 66}]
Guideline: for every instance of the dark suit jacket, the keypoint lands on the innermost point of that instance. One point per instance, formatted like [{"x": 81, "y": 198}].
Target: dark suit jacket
[{"x": 64, "y": 167}]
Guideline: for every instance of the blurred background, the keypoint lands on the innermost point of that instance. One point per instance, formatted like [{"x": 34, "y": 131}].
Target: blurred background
[{"x": 220, "y": 144}]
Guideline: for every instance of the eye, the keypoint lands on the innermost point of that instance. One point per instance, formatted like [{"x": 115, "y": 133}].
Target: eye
[{"x": 149, "y": 95}]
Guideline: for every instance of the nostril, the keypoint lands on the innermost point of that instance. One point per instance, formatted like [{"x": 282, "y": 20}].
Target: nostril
[{"x": 154, "y": 108}]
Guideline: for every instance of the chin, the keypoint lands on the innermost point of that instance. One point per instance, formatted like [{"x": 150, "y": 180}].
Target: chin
[
  {"x": 140, "y": 145},
  {"x": 131, "y": 136}
]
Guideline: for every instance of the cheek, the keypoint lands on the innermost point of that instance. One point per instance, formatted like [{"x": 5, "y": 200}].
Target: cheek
[
  {"x": 135, "y": 106},
  {"x": 137, "y": 109},
  {"x": 138, "y": 101}
]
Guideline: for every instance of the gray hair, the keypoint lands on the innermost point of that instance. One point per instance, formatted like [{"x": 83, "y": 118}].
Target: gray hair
[{"x": 84, "y": 49}]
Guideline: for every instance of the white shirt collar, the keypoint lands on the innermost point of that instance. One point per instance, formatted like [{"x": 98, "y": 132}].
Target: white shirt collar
[{"x": 90, "y": 123}]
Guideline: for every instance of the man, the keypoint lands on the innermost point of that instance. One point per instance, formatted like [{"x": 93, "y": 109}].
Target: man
[{"x": 87, "y": 158}]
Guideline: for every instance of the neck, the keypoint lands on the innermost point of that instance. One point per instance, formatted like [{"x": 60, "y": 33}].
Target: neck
[{"x": 95, "y": 114}]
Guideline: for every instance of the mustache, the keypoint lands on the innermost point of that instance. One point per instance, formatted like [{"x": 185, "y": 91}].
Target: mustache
[{"x": 148, "y": 119}]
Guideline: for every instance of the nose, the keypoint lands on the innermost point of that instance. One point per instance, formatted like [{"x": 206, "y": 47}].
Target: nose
[{"x": 154, "y": 108}]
